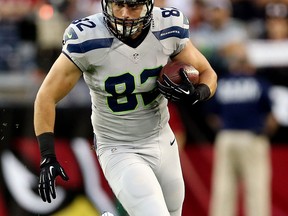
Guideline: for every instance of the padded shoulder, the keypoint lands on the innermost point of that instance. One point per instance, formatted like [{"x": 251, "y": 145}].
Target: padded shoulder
[
  {"x": 169, "y": 22},
  {"x": 85, "y": 35}
]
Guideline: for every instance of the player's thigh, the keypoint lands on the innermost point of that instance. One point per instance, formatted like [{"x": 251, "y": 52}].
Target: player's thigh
[
  {"x": 140, "y": 192},
  {"x": 134, "y": 183}
]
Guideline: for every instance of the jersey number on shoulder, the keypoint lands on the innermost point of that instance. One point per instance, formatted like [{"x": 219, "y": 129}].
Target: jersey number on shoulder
[
  {"x": 85, "y": 22},
  {"x": 121, "y": 88},
  {"x": 167, "y": 12}
]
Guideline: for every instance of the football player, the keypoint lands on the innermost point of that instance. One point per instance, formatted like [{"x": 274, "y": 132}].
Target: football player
[{"x": 120, "y": 53}]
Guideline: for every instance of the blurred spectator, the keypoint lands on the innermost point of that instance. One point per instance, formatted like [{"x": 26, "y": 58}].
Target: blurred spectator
[
  {"x": 241, "y": 115},
  {"x": 218, "y": 29},
  {"x": 17, "y": 36},
  {"x": 252, "y": 13},
  {"x": 270, "y": 49},
  {"x": 269, "y": 53},
  {"x": 276, "y": 22},
  {"x": 197, "y": 15}
]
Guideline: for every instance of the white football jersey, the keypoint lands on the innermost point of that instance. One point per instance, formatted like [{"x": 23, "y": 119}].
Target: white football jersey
[{"x": 122, "y": 80}]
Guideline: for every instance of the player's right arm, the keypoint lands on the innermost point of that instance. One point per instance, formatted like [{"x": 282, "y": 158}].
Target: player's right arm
[{"x": 61, "y": 78}]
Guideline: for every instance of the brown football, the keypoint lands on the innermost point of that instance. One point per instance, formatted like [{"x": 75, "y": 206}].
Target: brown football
[{"x": 171, "y": 69}]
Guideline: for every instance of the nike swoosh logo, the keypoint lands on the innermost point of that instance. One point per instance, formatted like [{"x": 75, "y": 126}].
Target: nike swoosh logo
[
  {"x": 185, "y": 92},
  {"x": 173, "y": 141}
]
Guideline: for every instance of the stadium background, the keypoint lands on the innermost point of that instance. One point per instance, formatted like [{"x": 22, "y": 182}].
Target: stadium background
[{"x": 30, "y": 39}]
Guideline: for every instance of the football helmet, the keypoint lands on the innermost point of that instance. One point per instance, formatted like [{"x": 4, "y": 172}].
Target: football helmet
[{"x": 125, "y": 28}]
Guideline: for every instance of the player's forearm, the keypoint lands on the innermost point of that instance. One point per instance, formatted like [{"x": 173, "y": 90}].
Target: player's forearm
[
  {"x": 190, "y": 55},
  {"x": 209, "y": 77},
  {"x": 44, "y": 115}
]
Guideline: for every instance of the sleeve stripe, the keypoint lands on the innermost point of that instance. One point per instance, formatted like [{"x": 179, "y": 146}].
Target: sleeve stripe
[
  {"x": 89, "y": 45},
  {"x": 174, "y": 31}
]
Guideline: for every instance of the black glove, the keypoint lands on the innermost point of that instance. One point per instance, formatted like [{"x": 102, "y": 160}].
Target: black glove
[
  {"x": 50, "y": 169},
  {"x": 176, "y": 92},
  {"x": 185, "y": 91}
]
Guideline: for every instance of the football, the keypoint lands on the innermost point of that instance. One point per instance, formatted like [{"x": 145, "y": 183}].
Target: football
[{"x": 171, "y": 69}]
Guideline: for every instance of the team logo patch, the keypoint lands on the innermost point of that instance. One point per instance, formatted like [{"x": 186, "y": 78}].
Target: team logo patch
[{"x": 69, "y": 35}]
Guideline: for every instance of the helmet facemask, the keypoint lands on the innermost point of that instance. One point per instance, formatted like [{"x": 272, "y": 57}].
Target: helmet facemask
[{"x": 127, "y": 28}]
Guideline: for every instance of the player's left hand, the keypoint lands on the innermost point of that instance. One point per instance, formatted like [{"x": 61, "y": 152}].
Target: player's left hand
[
  {"x": 185, "y": 91},
  {"x": 50, "y": 169}
]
